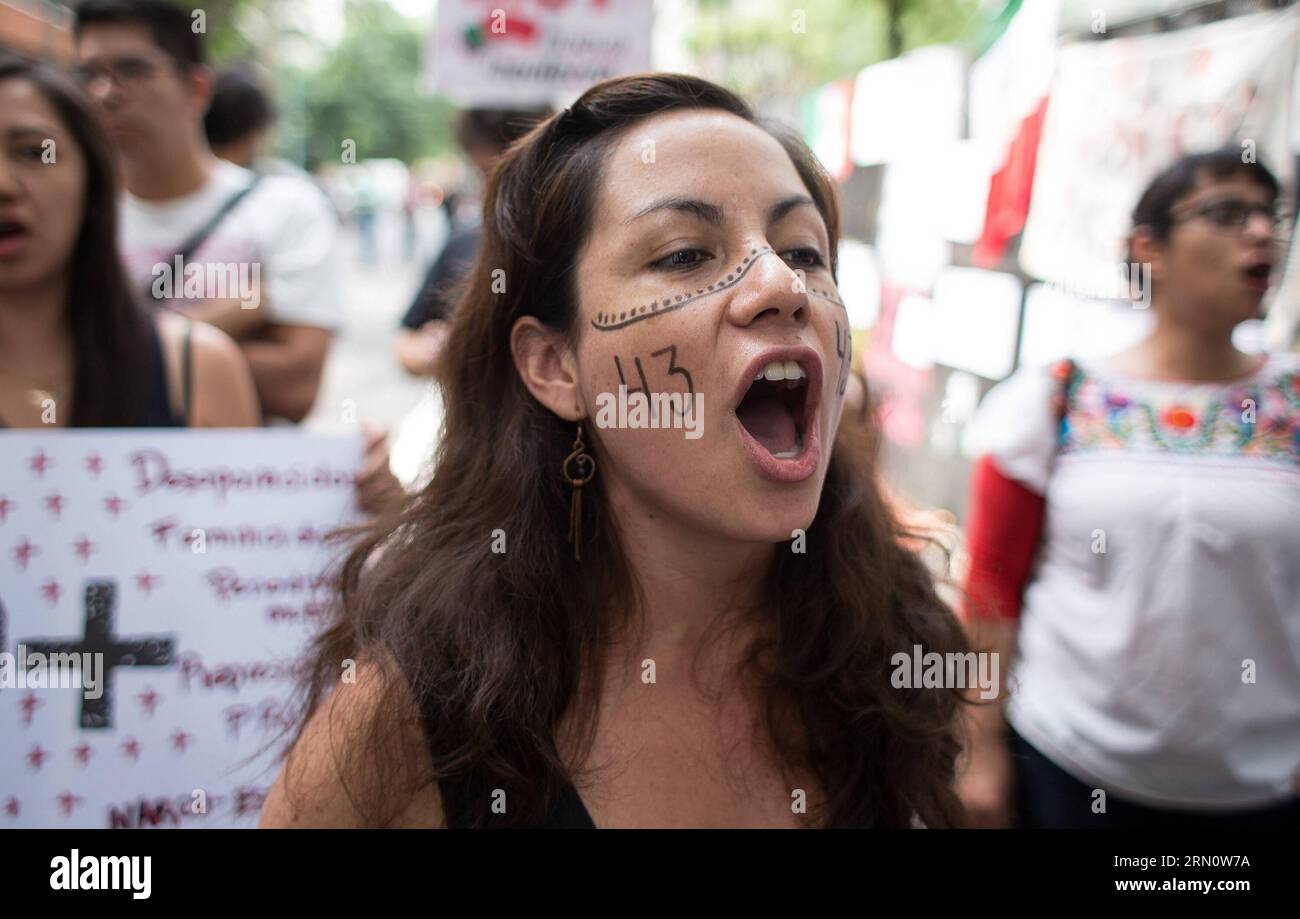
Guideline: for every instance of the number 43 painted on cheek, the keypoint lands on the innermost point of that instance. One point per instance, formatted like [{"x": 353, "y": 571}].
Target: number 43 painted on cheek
[{"x": 671, "y": 351}]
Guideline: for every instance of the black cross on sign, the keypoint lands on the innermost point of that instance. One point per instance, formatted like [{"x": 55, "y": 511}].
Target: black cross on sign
[{"x": 149, "y": 651}]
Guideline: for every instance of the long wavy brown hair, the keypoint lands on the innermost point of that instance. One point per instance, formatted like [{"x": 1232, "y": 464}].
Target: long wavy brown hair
[{"x": 495, "y": 648}]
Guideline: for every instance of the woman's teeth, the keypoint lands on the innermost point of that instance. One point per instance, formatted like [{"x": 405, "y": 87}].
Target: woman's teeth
[{"x": 776, "y": 371}]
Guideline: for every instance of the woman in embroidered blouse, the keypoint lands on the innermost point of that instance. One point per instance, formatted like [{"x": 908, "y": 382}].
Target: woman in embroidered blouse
[{"x": 1134, "y": 536}]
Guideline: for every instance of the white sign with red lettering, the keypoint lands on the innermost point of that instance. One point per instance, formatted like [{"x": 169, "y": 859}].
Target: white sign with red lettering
[
  {"x": 517, "y": 53},
  {"x": 156, "y": 590}
]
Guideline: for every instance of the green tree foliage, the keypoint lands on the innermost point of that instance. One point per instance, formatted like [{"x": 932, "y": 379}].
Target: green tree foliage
[
  {"x": 793, "y": 46},
  {"x": 225, "y": 40},
  {"x": 368, "y": 91}
]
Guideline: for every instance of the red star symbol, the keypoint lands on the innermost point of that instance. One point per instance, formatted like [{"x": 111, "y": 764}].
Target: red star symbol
[
  {"x": 113, "y": 504},
  {"x": 50, "y": 590},
  {"x": 24, "y": 551},
  {"x": 94, "y": 464},
  {"x": 54, "y": 504},
  {"x": 146, "y": 581},
  {"x": 11, "y": 806},
  {"x": 29, "y": 705},
  {"x": 180, "y": 740},
  {"x": 67, "y": 801},
  {"x": 131, "y": 747},
  {"x": 36, "y": 757},
  {"x": 82, "y": 752},
  {"x": 39, "y": 462},
  {"x": 149, "y": 700},
  {"x": 5, "y": 506},
  {"x": 84, "y": 548}
]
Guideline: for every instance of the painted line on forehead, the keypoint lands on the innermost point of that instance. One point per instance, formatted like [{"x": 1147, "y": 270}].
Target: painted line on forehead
[{"x": 609, "y": 322}]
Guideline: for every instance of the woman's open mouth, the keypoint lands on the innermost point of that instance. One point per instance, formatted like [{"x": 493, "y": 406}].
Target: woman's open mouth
[
  {"x": 1257, "y": 275},
  {"x": 13, "y": 237},
  {"x": 777, "y": 412}
]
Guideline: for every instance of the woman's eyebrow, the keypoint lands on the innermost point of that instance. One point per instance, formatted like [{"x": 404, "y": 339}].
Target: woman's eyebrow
[
  {"x": 710, "y": 213},
  {"x": 22, "y": 130},
  {"x": 786, "y": 205}
]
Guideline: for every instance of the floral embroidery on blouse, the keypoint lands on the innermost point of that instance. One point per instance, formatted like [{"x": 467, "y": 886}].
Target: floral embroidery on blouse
[{"x": 1259, "y": 416}]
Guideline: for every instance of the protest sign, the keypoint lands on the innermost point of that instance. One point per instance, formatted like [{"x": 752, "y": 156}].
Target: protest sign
[
  {"x": 156, "y": 591},
  {"x": 532, "y": 52}
]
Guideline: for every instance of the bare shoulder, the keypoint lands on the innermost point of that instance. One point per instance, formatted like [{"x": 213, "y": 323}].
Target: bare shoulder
[
  {"x": 360, "y": 760},
  {"x": 222, "y": 394}
]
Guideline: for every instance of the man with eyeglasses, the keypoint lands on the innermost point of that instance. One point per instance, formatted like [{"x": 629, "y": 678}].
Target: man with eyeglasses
[{"x": 265, "y": 252}]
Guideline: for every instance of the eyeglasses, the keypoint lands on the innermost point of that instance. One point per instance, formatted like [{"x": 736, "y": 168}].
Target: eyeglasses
[
  {"x": 124, "y": 73},
  {"x": 1232, "y": 214}
]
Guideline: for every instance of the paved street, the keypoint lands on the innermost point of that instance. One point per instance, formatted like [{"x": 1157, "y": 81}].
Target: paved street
[{"x": 363, "y": 380}]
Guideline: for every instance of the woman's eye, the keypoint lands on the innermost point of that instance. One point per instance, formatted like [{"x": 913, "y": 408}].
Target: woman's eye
[
  {"x": 30, "y": 152},
  {"x": 1228, "y": 213},
  {"x": 807, "y": 258},
  {"x": 682, "y": 258}
]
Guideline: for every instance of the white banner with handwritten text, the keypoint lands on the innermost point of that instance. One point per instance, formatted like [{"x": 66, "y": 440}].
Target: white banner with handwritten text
[
  {"x": 156, "y": 591},
  {"x": 531, "y": 52}
]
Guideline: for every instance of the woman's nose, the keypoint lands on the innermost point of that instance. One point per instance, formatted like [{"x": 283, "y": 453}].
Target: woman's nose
[
  {"x": 768, "y": 290},
  {"x": 1260, "y": 226},
  {"x": 9, "y": 187}
]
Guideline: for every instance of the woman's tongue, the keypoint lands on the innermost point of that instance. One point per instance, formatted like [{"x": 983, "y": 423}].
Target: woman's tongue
[{"x": 770, "y": 423}]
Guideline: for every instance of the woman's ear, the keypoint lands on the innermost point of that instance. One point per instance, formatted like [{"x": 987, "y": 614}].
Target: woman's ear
[
  {"x": 1145, "y": 248},
  {"x": 547, "y": 366}
]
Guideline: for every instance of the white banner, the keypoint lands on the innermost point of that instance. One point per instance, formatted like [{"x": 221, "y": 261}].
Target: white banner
[
  {"x": 907, "y": 104},
  {"x": 1123, "y": 109},
  {"x": 156, "y": 588},
  {"x": 514, "y": 53}
]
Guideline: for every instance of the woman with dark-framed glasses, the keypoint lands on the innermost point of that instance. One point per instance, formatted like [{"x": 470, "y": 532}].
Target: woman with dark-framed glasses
[{"x": 1134, "y": 536}]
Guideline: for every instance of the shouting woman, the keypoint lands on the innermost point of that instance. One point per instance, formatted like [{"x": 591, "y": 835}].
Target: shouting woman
[{"x": 680, "y": 612}]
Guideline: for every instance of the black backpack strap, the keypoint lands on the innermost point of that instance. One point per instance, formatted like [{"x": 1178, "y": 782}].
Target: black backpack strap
[{"x": 200, "y": 236}]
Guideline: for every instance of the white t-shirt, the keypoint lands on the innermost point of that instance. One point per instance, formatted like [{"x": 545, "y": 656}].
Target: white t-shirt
[
  {"x": 285, "y": 226},
  {"x": 1159, "y": 643}
]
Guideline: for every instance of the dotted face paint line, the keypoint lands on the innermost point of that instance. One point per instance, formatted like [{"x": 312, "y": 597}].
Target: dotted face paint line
[
  {"x": 608, "y": 322},
  {"x": 827, "y": 295}
]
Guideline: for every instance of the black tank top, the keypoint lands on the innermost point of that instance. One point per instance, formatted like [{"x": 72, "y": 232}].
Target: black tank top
[
  {"x": 157, "y": 409},
  {"x": 569, "y": 813}
]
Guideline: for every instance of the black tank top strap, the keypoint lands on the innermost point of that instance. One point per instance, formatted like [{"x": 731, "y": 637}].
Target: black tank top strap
[
  {"x": 187, "y": 361},
  {"x": 156, "y": 411}
]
